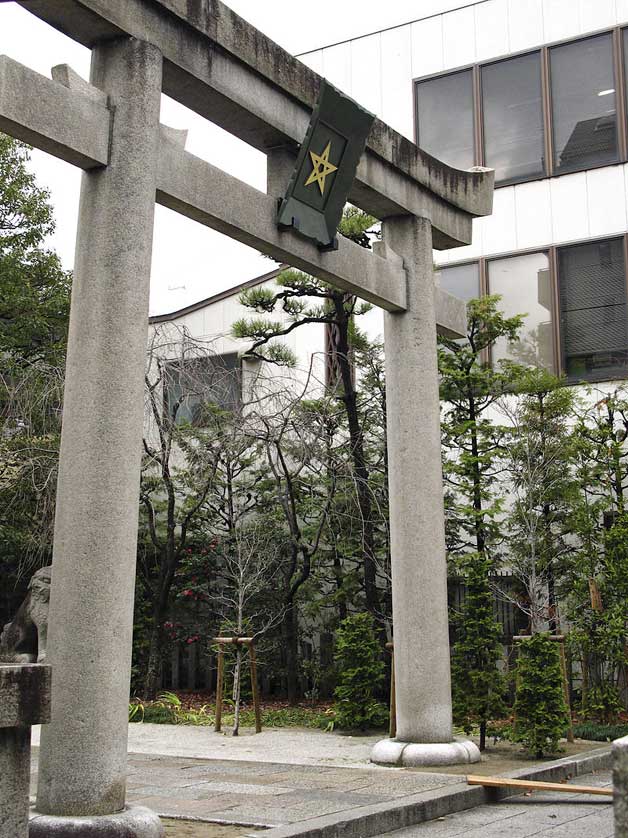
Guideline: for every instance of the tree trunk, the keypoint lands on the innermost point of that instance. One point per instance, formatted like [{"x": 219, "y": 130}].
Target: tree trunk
[
  {"x": 483, "y": 735},
  {"x": 360, "y": 468},
  {"x": 152, "y": 680},
  {"x": 289, "y": 630},
  {"x": 237, "y": 674}
]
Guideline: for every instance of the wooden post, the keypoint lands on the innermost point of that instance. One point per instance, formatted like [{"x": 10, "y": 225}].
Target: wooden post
[
  {"x": 254, "y": 690},
  {"x": 249, "y": 643},
  {"x": 563, "y": 666},
  {"x": 392, "y": 725},
  {"x": 220, "y": 664}
]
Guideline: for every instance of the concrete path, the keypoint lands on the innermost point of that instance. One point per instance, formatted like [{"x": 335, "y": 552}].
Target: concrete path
[{"x": 541, "y": 814}]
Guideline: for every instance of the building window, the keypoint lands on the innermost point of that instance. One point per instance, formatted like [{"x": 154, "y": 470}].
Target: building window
[
  {"x": 460, "y": 280},
  {"x": 190, "y": 385},
  {"x": 583, "y": 104},
  {"x": 513, "y": 118},
  {"x": 524, "y": 284},
  {"x": 445, "y": 118},
  {"x": 592, "y": 293}
]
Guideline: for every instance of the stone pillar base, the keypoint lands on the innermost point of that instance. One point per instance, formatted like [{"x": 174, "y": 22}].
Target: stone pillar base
[
  {"x": 411, "y": 754},
  {"x": 133, "y": 822}
]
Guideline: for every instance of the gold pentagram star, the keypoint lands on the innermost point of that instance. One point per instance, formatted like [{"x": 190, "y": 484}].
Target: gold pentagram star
[{"x": 321, "y": 168}]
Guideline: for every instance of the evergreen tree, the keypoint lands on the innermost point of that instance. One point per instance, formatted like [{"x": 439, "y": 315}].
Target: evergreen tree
[
  {"x": 540, "y": 711},
  {"x": 473, "y": 446},
  {"x": 360, "y": 674},
  {"x": 540, "y": 463},
  {"x": 477, "y": 687}
]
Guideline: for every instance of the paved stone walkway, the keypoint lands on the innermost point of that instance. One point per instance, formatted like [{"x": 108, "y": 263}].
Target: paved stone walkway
[
  {"x": 542, "y": 815},
  {"x": 265, "y": 793}
]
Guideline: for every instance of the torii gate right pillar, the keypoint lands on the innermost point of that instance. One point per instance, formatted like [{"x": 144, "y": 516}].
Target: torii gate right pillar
[{"x": 417, "y": 531}]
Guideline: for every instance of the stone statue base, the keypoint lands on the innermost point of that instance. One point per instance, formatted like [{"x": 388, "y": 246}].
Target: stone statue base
[
  {"x": 133, "y": 822},
  {"x": 411, "y": 754}
]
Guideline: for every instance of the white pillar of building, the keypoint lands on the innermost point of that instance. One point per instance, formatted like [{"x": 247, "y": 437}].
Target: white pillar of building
[
  {"x": 82, "y": 770},
  {"x": 419, "y": 570}
]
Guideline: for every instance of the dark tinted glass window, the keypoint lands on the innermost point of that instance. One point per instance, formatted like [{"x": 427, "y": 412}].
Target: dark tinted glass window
[
  {"x": 461, "y": 280},
  {"x": 583, "y": 102},
  {"x": 191, "y": 385},
  {"x": 513, "y": 117},
  {"x": 445, "y": 118},
  {"x": 592, "y": 286}
]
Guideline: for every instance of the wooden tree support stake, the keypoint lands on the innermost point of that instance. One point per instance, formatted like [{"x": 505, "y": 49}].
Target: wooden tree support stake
[
  {"x": 249, "y": 642},
  {"x": 531, "y": 785}
]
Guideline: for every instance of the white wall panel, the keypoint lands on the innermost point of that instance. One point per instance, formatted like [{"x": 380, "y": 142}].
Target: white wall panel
[
  {"x": 337, "y": 66},
  {"x": 441, "y": 257},
  {"x": 314, "y": 60},
  {"x": 621, "y": 11},
  {"x": 606, "y": 199},
  {"x": 427, "y": 46},
  {"x": 525, "y": 24},
  {"x": 366, "y": 73},
  {"x": 596, "y": 14},
  {"x": 499, "y": 230},
  {"x": 397, "y": 98},
  {"x": 473, "y": 250},
  {"x": 533, "y": 211},
  {"x": 459, "y": 37},
  {"x": 491, "y": 29},
  {"x": 569, "y": 207},
  {"x": 561, "y": 19}
]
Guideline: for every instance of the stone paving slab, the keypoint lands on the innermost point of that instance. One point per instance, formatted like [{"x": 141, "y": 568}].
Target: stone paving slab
[{"x": 541, "y": 814}]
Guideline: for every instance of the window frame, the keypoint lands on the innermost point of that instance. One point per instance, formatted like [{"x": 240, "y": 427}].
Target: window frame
[
  {"x": 618, "y": 60},
  {"x": 552, "y": 253}
]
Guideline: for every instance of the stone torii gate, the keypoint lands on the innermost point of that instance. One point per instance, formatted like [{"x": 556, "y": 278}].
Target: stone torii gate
[{"x": 206, "y": 57}]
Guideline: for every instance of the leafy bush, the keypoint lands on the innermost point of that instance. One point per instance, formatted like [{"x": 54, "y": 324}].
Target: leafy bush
[
  {"x": 602, "y": 703},
  {"x": 168, "y": 710},
  {"x": 540, "y": 710},
  {"x": 360, "y": 673},
  {"x": 599, "y": 733}
]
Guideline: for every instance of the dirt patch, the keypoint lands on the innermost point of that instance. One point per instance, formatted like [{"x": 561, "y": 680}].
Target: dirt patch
[{"x": 180, "y": 828}]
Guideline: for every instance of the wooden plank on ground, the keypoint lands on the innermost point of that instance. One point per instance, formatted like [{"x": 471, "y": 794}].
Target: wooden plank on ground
[{"x": 536, "y": 785}]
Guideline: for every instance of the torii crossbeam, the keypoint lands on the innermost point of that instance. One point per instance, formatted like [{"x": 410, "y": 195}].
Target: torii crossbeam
[{"x": 206, "y": 57}]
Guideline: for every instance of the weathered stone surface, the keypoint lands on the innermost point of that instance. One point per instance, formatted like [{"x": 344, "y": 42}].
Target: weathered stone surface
[
  {"x": 247, "y": 96},
  {"x": 83, "y": 753},
  {"x": 24, "y": 638},
  {"x": 620, "y": 786},
  {"x": 71, "y": 124},
  {"x": 24, "y": 694},
  {"x": 417, "y": 530},
  {"x": 15, "y": 751},
  {"x": 133, "y": 822}
]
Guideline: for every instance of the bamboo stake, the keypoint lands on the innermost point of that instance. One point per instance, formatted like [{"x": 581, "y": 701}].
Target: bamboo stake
[{"x": 496, "y": 782}]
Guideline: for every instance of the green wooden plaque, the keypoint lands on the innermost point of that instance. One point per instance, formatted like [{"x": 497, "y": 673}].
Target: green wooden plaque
[{"x": 325, "y": 167}]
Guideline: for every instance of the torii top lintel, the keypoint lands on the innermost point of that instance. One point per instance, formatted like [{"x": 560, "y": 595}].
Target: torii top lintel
[{"x": 225, "y": 69}]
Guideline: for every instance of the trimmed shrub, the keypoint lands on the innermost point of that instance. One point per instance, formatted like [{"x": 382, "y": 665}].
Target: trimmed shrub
[
  {"x": 540, "y": 711},
  {"x": 360, "y": 674}
]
